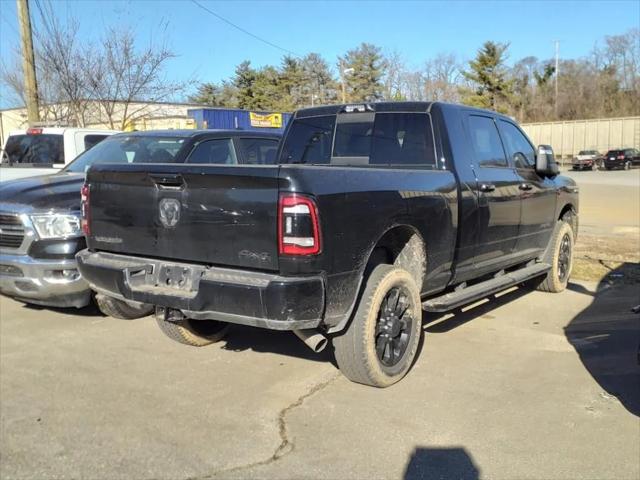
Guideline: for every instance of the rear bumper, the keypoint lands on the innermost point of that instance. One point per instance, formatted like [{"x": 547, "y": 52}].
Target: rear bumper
[
  {"x": 614, "y": 163},
  {"x": 235, "y": 296},
  {"x": 40, "y": 281}
]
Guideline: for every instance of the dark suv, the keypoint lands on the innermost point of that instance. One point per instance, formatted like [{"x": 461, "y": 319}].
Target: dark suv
[{"x": 624, "y": 158}]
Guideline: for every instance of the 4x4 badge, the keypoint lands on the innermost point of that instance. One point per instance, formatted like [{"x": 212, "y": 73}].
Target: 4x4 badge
[{"x": 169, "y": 212}]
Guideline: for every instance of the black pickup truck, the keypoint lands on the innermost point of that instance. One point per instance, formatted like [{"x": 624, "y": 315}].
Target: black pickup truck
[{"x": 373, "y": 214}]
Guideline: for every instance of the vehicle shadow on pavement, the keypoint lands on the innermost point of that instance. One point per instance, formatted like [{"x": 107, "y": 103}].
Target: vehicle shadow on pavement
[
  {"x": 90, "y": 310},
  {"x": 262, "y": 340},
  {"x": 606, "y": 336},
  {"x": 441, "y": 463}
]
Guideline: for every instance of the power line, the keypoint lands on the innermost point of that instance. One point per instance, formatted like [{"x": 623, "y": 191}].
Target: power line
[{"x": 237, "y": 27}]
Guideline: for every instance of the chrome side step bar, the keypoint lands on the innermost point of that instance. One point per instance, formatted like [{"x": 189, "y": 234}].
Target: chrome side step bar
[{"x": 466, "y": 295}]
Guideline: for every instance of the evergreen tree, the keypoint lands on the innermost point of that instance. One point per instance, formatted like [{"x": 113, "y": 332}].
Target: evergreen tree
[
  {"x": 265, "y": 90},
  {"x": 491, "y": 87},
  {"x": 320, "y": 79},
  {"x": 293, "y": 88},
  {"x": 364, "y": 82},
  {"x": 224, "y": 95},
  {"x": 245, "y": 77}
]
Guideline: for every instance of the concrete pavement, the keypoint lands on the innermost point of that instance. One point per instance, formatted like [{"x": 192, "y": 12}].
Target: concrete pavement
[{"x": 530, "y": 385}]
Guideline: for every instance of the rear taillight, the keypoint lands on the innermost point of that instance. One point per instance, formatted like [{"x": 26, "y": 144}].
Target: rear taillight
[
  {"x": 84, "y": 206},
  {"x": 620, "y": 157},
  {"x": 298, "y": 225}
]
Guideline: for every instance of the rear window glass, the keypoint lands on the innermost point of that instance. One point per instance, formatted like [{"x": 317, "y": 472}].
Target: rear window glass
[
  {"x": 39, "y": 149},
  {"x": 129, "y": 149},
  {"x": 218, "y": 151},
  {"x": 362, "y": 139},
  {"x": 92, "y": 140},
  {"x": 258, "y": 151}
]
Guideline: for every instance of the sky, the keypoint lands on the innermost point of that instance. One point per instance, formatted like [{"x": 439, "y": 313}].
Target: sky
[{"x": 208, "y": 49}]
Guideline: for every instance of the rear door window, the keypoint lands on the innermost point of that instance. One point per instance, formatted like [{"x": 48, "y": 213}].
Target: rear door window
[
  {"x": 486, "y": 142},
  {"x": 402, "y": 139},
  {"x": 36, "y": 149},
  {"x": 218, "y": 151},
  {"x": 258, "y": 151},
  {"x": 309, "y": 140}
]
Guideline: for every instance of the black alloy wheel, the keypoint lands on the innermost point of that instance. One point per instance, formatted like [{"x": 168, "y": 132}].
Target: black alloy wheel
[
  {"x": 394, "y": 326},
  {"x": 564, "y": 258}
]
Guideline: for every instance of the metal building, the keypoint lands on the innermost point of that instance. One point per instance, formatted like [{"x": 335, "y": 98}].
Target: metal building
[
  {"x": 602, "y": 134},
  {"x": 229, "y": 118}
]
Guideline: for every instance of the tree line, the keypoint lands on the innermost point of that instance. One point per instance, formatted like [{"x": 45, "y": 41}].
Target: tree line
[
  {"x": 108, "y": 80},
  {"x": 606, "y": 83}
]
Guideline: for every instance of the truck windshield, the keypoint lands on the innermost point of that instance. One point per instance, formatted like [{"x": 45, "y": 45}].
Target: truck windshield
[
  {"x": 39, "y": 149},
  {"x": 128, "y": 149}
]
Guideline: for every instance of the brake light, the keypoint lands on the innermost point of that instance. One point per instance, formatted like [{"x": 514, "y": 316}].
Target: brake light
[
  {"x": 620, "y": 157},
  {"x": 34, "y": 131},
  {"x": 298, "y": 225},
  {"x": 84, "y": 207}
]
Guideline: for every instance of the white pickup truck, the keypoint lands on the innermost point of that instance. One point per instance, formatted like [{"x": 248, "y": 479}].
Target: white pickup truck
[{"x": 45, "y": 150}]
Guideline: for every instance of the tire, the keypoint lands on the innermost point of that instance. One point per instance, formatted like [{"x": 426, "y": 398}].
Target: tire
[
  {"x": 559, "y": 255},
  {"x": 113, "y": 307},
  {"x": 196, "y": 333},
  {"x": 355, "y": 350}
]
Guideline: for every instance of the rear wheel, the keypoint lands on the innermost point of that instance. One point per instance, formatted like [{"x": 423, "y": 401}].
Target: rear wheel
[
  {"x": 380, "y": 344},
  {"x": 112, "y": 307},
  {"x": 196, "y": 333}
]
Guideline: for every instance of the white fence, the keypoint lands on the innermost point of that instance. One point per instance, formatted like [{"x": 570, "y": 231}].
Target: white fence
[{"x": 602, "y": 134}]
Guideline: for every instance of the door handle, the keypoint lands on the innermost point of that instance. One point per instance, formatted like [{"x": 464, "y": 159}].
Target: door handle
[
  {"x": 487, "y": 187},
  {"x": 525, "y": 186},
  {"x": 173, "y": 181}
]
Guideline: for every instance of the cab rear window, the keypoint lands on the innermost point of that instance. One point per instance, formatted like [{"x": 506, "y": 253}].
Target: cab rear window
[
  {"x": 44, "y": 149},
  {"x": 361, "y": 139}
]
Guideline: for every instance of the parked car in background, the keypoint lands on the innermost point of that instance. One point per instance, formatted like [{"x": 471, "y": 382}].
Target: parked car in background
[
  {"x": 373, "y": 213},
  {"x": 623, "y": 158},
  {"x": 45, "y": 150},
  {"x": 40, "y": 216},
  {"x": 586, "y": 160}
]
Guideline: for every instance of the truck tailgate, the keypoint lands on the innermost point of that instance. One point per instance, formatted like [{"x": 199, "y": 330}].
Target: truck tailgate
[{"x": 212, "y": 214}]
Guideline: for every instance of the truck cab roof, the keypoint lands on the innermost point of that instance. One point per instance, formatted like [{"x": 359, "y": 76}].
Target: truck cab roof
[{"x": 386, "y": 107}]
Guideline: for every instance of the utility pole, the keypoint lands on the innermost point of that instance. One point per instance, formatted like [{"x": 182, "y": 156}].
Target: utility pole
[
  {"x": 557, "y": 42},
  {"x": 28, "y": 62}
]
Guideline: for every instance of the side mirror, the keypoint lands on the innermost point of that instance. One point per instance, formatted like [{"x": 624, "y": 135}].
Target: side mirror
[{"x": 546, "y": 165}]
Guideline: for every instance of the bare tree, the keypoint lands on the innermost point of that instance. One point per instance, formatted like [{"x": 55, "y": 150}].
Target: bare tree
[
  {"x": 124, "y": 78},
  {"x": 442, "y": 76},
  {"x": 395, "y": 78},
  {"x": 60, "y": 59}
]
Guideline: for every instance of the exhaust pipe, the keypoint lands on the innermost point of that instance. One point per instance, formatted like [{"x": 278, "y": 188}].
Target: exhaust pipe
[{"x": 312, "y": 339}]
